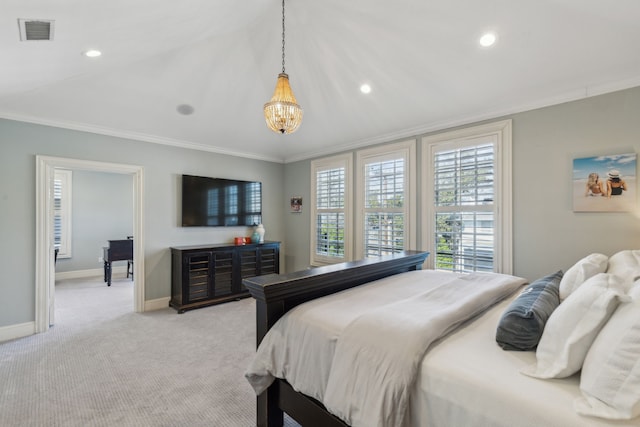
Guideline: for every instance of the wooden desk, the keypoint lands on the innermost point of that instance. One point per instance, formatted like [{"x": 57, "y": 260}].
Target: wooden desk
[{"x": 118, "y": 250}]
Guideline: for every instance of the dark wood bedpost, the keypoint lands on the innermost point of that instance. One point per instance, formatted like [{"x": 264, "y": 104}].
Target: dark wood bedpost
[
  {"x": 269, "y": 414},
  {"x": 276, "y": 294}
]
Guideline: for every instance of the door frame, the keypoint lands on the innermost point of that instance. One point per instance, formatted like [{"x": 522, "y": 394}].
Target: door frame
[{"x": 44, "y": 260}]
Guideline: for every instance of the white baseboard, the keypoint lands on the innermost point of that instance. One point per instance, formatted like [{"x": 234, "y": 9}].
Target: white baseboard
[
  {"x": 20, "y": 330},
  {"x": 156, "y": 304},
  {"x": 77, "y": 274}
]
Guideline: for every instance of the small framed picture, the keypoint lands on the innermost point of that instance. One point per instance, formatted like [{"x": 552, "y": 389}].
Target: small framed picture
[
  {"x": 604, "y": 183},
  {"x": 296, "y": 204}
]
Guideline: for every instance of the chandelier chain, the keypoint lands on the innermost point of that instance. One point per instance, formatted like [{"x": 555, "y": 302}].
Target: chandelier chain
[{"x": 283, "y": 36}]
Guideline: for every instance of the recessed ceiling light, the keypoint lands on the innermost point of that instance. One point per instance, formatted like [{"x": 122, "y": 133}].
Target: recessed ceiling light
[
  {"x": 185, "y": 109},
  {"x": 487, "y": 40},
  {"x": 365, "y": 88},
  {"x": 92, "y": 53}
]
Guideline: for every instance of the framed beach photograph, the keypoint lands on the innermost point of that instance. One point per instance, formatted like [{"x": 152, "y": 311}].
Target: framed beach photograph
[
  {"x": 605, "y": 183},
  {"x": 296, "y": 204}
]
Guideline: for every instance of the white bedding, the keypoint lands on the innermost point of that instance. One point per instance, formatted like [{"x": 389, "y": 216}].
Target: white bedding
[
  {"x": 377, "y": 355},
  {"x": 408, "y": 311},
  {"x": 466, "y": 379}
]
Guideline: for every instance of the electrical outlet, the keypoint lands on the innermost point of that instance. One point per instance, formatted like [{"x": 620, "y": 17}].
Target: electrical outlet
[{"x": 100, "y": 259}]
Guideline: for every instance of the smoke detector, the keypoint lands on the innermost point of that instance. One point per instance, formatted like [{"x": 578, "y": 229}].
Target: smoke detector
[{"x": 36, "y": 29}]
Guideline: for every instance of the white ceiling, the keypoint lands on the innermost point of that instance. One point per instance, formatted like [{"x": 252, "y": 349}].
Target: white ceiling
[{"x": 421, "y": 58}]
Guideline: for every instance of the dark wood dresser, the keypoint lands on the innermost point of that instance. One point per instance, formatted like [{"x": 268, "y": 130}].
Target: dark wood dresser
[{"x": 203, "y": 275}]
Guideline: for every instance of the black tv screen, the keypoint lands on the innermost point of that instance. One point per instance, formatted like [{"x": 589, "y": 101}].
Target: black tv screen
[{"x": 218, "y": 202}]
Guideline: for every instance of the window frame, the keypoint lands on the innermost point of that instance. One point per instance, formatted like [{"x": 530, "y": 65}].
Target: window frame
[
  {"x": 334, "y": 162},
  {"x": 501, "y": 132},
  {"x": 407, "y": 150},
  {"x": 65, "y": 177}
]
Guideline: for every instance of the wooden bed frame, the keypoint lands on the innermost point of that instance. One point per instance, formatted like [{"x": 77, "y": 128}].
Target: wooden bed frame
[{"x": 276, "y": 294}]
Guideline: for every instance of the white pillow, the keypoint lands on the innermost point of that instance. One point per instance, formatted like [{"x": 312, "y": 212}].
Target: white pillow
[
  {"x": 574, "y": 325},
  {"x": 634, "y": 292},
  {"x": 625, "y": 264},
  {"x": 575, "y": 276},
  {"x": 610, "y": 379}
]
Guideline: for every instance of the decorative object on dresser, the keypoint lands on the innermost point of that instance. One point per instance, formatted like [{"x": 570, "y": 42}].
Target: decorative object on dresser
[
  {"x": 260, "y": 232},
  {"x": 204, "y": 275},
  {"x": 255, "y": 237}
]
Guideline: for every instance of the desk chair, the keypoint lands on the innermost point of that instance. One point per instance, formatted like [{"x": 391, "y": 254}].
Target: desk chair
[
  {"x": 118, "y": 250},
  {"x": 130, "y": 262}
]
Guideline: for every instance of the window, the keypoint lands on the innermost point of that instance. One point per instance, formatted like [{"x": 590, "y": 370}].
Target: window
[
  {"x": 331, "y": 210},
  {"x": 385, "y": 200},
  {"x": 62, "y": 212},
  {"x": 467, "y": 203}
]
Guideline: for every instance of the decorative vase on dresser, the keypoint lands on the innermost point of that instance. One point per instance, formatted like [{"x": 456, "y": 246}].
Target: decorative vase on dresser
[{"x": 260, "y": 230}]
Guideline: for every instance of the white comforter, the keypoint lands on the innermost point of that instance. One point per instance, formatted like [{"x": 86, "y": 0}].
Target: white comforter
[{"x": 358, "y": 351}]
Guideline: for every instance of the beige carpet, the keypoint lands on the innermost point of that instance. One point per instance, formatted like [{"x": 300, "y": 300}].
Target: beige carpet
[{"x": 104, "y": 365}]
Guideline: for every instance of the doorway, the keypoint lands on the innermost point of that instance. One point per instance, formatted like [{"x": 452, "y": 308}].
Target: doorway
[{"x": 45, "y": 273}]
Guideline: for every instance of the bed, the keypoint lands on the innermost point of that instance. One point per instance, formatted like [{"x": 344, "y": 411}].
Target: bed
[{"x": 463, "y": 377}]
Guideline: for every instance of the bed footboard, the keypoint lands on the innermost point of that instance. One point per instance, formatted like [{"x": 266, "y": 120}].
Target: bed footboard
[{"x": 276, "y": 294}]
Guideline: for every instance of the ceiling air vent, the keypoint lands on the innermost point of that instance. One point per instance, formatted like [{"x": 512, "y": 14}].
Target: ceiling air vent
[{"x": 36, "y": 29}]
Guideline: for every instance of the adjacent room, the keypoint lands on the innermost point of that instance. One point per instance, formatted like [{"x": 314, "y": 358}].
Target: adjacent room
[{"x": 296, "y": 213}]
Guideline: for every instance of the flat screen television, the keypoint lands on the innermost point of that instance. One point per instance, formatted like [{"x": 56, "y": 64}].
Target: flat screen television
[{"x": 219, "y": 202}]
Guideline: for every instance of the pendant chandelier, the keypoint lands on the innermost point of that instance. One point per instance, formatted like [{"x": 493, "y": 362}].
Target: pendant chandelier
[{"x": 282, "y": 113}]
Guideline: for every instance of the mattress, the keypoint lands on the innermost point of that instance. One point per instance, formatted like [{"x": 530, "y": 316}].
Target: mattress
[{"x": 466, "y": 379}]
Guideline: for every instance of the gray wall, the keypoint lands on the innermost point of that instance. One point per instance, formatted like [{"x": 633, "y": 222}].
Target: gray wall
[
  {"x": 548, "y": 235},
  {"x": 297, "y": 180},
  {"x": 163, "y": 165},
  {"x": 102, "y": 209}
]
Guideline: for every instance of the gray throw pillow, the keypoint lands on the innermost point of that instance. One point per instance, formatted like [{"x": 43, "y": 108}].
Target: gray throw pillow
[{"x": 522, "y": 323}]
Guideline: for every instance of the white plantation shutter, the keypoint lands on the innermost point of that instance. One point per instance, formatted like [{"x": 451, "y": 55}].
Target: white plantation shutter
[
  {"x": 466, "y": 177},
  {"x": 62, "y": 212},
  {"x": 330, "y": 201},
  {"x": 386, "y": 199},
  {"x": 463, "y": 180},
  {"x": 330, "y": 213},
  {"x": 57, "y": 212}
]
